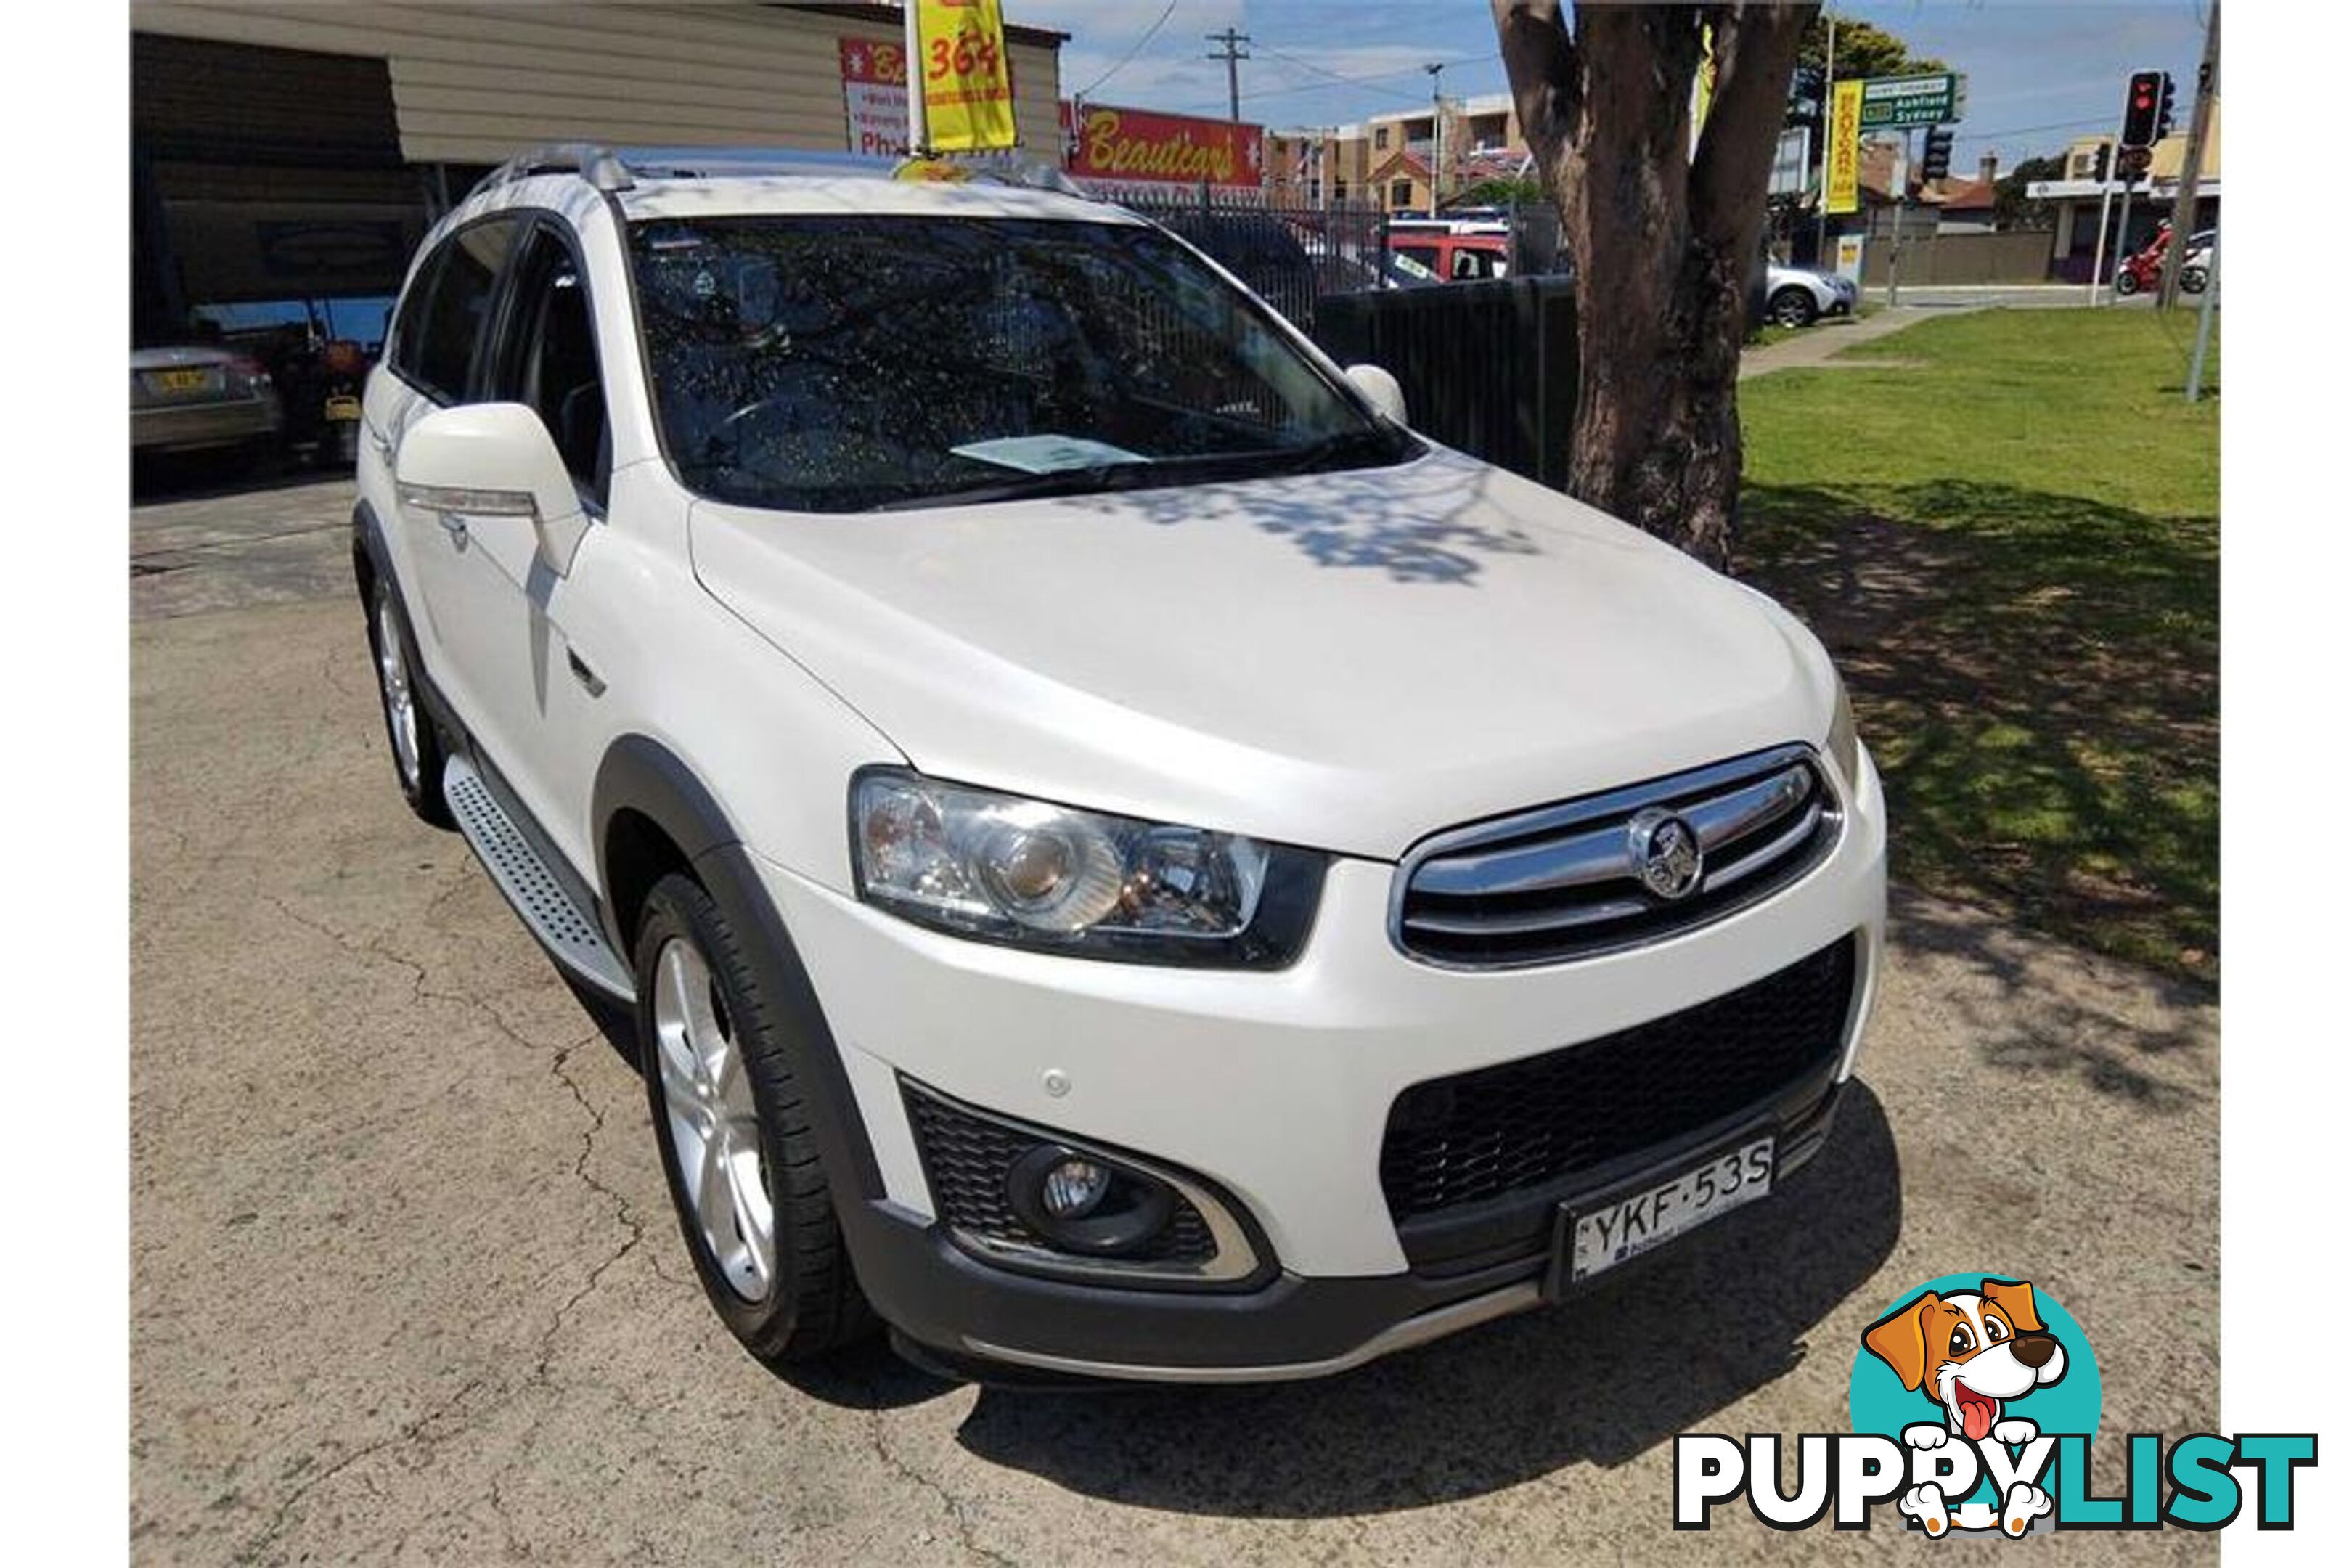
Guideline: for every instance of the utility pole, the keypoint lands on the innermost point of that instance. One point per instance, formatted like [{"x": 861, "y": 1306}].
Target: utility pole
[
  {"x": 2196, "y": 386},
  {"x": 2184, "y": 200},
  {"x": 1902, "y": 204},
  {"x": 1437, "y": 136},
  {"x": 1829, "y": 76},
  {"x": 919, "y": 130},
  {"x": 1233, "y": 57},
  {"x": 2113, "y": 166}
]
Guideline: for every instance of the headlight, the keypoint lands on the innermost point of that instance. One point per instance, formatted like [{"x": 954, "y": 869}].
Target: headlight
[
  {"x": 1844, "y": 746},
  {"x": 1004, "y": 868}
]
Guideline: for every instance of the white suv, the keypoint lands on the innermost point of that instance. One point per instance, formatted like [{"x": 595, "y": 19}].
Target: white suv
[{"x": 1125, "y": 861}]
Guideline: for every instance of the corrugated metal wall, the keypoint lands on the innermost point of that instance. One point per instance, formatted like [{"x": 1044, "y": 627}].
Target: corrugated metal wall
[{"x": 473, "y": 84}]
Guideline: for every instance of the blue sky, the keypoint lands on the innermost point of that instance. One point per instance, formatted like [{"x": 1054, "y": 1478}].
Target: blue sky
[{"x": 2039, "y": 73}]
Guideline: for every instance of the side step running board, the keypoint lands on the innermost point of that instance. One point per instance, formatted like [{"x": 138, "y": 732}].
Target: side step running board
[{"x": 569, "y": 932}]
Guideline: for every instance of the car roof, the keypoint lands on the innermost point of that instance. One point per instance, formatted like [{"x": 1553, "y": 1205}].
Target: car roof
[
  {"x": 706, "y": 181},
  {"x": 843, "y": 194}
]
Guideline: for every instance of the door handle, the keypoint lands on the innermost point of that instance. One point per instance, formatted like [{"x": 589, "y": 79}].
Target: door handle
[{"x": 455, "y": 526}]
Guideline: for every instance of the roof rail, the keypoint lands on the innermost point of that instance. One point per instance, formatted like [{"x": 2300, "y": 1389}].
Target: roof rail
[
  {"x": 619, "y": 169},
  {"x": 600, "y": 166}
]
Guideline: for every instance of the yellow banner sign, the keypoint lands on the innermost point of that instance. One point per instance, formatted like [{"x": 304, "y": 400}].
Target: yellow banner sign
[
  {"x": 1841, "y": 183},
  {"x": 967, "y": 76}
]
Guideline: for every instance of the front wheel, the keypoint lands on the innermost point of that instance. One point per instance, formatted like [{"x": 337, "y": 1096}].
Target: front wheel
[
  {"x": 2126, "y": 282},
  {"x": 1793, "y": 308},
  {"x": 722, "y": 1081},
  {"x": 417, "y": 756}
]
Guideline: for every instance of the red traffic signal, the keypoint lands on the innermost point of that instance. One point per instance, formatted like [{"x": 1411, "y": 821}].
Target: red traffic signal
[{"x": 2144, "y": 104}]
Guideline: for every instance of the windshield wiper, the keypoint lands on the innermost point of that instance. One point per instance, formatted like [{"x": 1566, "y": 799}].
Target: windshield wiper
[
  {"x": 1364, "y": 444},
  {"x": 1204, "y": 468},
  {"x": 1090, "y": 480}
]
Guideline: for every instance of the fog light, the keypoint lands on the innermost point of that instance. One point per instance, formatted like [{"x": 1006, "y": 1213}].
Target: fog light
[
  {"x": 1083, "y": 1203},
  {"x": 1074, "y": 1188}
]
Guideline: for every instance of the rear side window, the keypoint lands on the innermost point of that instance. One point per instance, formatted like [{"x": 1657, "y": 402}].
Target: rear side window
[{"x": 442, "y": 321}]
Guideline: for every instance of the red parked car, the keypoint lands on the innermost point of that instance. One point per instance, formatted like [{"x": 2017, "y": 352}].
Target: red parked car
[{"x": 1455, "y": 257}]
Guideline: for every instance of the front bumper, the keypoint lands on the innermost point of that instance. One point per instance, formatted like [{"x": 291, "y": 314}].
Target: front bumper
[{"x": 1276, "y": 1087}]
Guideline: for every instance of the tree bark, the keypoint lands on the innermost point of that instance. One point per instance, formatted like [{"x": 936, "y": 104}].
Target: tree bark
[{"x": 1663, "y": 241}]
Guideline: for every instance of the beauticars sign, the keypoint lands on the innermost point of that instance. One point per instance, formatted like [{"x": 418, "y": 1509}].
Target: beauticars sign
[{"x": 1111, "y": 146}]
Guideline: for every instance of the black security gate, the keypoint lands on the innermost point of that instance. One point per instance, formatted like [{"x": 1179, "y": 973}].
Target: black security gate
[
  {"x": 1489, "y": 368},
  {"x": 1291, "y": 255}
]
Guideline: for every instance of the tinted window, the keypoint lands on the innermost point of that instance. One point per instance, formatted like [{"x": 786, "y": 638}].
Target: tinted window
[
  {"x": 843, "y": 364},
  {"x": 437, "y": 337},
  {"x": 1476, "y": 264},
  {"x": 547, "y": 360}
]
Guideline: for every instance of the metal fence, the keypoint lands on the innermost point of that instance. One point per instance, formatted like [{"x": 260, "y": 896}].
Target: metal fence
[
  {"x": 1290, "y": 255},
  {"x": 1488, "y": 368}
]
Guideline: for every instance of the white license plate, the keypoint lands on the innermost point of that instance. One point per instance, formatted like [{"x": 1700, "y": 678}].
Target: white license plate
[{"x": 1628, "y": 1224}]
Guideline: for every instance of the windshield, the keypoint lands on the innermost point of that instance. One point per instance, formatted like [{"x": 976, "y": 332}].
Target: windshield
[{"x": 842, "y": 363}]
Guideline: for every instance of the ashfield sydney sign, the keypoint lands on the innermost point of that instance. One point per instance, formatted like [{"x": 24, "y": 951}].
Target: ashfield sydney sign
[
  {"x": 1892, "y": 102},
  {"x": 1109, "y": 145}
]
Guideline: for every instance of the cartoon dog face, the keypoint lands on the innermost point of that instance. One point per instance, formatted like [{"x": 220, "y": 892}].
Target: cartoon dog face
[{"x": 1969, "y": 1351}]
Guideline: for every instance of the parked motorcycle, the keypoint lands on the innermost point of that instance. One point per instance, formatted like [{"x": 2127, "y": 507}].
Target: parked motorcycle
[{"x": 2144, "y": 268}]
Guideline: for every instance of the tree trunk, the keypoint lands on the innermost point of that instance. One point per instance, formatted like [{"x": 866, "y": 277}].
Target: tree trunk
[{"x": 1663, "y": 242}]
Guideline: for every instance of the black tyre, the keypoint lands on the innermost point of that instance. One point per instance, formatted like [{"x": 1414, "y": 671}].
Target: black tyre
[
  {"x": 722, "y": 1075},
  {"x": 1792, "y": 307},
  {"x": 417, "y": 758},
  {"x": 2192, "y": 280},
  {"x": 2126, "y": 282}
]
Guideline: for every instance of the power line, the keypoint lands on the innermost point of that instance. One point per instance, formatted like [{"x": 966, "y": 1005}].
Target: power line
[
  {"x": 1336, "y": 80},
  {"x": 2031, "y": 130},
  {"x": 1133, "y": 50}
]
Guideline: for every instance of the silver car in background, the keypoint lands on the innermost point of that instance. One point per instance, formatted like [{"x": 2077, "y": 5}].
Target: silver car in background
[
  {"x": 197, "y": 396},
  {"x": 1798, "y": 296}
]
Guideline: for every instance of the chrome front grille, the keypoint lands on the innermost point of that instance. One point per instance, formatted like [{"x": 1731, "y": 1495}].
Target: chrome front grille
[{"x": 1565, "y": 881}]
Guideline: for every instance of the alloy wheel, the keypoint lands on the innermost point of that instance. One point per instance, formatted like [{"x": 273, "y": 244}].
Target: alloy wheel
[
  {"x": 714, "y": 1124},
  {"x": 399, "y": 696}
]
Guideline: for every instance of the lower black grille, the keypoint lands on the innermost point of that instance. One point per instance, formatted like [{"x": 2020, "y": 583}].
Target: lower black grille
[
  {"x": 965, "y": 1159},
  {"x": 1527, "y": 1123}
]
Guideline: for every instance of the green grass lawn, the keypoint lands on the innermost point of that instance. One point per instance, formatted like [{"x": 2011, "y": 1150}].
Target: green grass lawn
[{"x": 2011, "y": 541}]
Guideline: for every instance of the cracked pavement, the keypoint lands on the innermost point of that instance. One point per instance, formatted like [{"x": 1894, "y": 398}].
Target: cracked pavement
[{"x": 406, "y": 1287}]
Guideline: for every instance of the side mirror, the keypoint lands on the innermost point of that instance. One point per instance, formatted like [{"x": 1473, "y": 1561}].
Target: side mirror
[
  {"x": 493, "y": 459},
  {"x": 1381, "y": 389}
]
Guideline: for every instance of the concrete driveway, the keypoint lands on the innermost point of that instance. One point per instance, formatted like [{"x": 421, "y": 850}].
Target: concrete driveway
[{"x": 406, "y": 1287}]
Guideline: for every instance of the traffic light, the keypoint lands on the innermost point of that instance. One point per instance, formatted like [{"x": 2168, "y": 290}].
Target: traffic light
[
  {"x": 2145, "y": 101},
  {"x": 1936, "y": 157},
  {"x": 2163, "y": 110},
  {"x": 2106, "y": 163}
]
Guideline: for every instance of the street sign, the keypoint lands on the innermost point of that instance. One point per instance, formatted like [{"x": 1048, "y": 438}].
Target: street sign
[{"x": 1893, "y": 102}]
